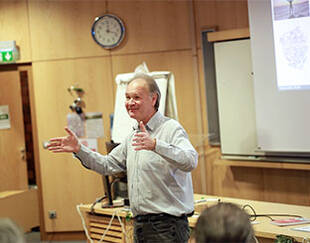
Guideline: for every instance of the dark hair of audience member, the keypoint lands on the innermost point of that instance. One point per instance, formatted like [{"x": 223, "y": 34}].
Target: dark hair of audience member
[
  {"x": 224, "y": 222},
  {"x": 10, "y": 232}
]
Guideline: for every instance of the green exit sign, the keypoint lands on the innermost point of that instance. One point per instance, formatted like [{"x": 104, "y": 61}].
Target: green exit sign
[
  {"x": 4, "y": 116},
  {"x": 7, "y": 56},
  {"x": 8, "y": 52}
]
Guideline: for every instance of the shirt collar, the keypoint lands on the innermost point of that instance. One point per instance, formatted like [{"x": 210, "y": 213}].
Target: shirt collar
[{"x": 153, "y": 123}]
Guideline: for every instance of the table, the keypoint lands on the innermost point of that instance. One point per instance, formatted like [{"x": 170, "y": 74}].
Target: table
[
  {"x": 264, "y": 230},
  {"x": 98, "y": 221}
]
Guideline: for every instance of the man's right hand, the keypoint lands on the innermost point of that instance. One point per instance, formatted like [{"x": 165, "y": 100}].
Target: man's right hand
[{"x": 68, "y": 144}]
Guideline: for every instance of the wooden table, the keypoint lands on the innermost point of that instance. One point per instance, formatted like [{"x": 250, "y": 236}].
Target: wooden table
[
  {"x": 264, "y": 230},
  {"x": 98, "y": 222}
]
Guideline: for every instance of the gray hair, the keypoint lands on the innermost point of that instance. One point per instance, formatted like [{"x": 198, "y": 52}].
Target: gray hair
[
  {"x": 10, "y": 232},
  {"x": 224, "y": 222},
  {"x": 152, "y": 86}
]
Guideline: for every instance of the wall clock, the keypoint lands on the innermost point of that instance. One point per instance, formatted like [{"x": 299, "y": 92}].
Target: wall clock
[{"x": 108, "y": 31}]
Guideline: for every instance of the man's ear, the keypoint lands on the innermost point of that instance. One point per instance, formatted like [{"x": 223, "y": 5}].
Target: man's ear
[{"x": 154, "y": 98}]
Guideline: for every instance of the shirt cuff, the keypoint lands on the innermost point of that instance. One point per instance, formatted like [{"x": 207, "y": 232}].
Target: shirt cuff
[
  {"x": 160, "y": 146},
  {"x": 82, "y": 155}
]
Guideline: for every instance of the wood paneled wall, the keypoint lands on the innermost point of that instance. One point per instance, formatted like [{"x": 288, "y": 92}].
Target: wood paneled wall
[
  {"x": 55, "y": 37},
  {"x": 14, "y": 25}
]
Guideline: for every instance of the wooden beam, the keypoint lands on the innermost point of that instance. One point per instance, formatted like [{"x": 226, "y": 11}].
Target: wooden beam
[
  {"x": 261, "y": 164},
  {"x": 229, "y": 35}
]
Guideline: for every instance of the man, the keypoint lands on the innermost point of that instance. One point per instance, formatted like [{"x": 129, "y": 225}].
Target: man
[
  {"x": 158, "y": 158},
  {"x": 224, "y": 222}
]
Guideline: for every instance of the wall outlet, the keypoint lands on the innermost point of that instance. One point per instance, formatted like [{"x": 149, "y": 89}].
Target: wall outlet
[{"x": 52, "y": 214}]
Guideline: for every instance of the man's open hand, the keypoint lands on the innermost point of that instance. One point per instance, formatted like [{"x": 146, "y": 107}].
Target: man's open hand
[{"x": 69, "y": 143}]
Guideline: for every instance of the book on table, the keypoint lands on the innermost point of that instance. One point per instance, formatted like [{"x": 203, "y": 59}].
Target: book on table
[{"x": 290, "y": 221}]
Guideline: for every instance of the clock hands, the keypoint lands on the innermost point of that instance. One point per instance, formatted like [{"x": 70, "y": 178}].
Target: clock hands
[{"x": 108, "y": 31}]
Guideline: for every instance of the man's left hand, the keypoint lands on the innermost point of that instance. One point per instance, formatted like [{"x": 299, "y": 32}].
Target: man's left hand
[{"x": 143, "y": 140}]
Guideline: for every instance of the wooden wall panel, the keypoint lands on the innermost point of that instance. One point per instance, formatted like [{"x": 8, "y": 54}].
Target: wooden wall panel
[
  {"x": 266, "y": 184},
  {"x": 239, "y": 182},
  {"x": 65, "y": 182},
  {"x": 153, "y": 25},
  {"x": 291, "y": 186},
  {"x": 150, "y": 26},
  {"x": 14, "y": 26},
  {"x": 197, "y": 176},
  {"x": 203, "y": 98},
  {"x": 220, "y": 14},
  {"x": 62, "y": 29},
  {"x": 232, "y": 14}
]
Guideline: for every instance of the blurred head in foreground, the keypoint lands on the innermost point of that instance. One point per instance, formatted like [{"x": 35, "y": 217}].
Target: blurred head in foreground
[
  {"x": 10, "y": 232},
  {"x": 224, "y": 222}
]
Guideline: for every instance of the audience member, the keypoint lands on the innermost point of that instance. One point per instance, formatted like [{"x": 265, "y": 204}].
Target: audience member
[
  {"x": 224, "y": 222},
  {"x": 10, "y": 232}
]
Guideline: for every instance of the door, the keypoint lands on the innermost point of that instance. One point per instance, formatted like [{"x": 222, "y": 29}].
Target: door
[{"x": 13, "y": 165}]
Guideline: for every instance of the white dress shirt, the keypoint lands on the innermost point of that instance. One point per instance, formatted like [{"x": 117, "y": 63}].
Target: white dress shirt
[{"x": 159, "y": 181}]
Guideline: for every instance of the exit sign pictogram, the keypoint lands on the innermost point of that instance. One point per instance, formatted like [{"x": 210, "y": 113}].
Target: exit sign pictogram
[{"x": 7, "y": 56}]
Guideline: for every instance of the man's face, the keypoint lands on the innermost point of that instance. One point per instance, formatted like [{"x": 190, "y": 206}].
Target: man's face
[{"x": 139, "y": 102}]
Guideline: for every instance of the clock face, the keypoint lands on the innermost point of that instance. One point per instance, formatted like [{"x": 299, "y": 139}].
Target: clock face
[{"x": 108, "y": 31}]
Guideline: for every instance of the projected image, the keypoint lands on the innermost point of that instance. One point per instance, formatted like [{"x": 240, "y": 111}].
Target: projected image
[
  {"x": 288, "y": 9},
  {"x": 292, "y": 53},
  {"x": 295, "y": 47}
]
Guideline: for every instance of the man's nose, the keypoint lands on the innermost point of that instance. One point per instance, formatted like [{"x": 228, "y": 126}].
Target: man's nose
[{"x": 131, "y": 101}]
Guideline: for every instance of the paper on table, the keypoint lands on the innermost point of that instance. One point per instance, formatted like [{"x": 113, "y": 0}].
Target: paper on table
[
  {"x": 290, "y": 221},
  {"x": 304, "y": 228}
]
